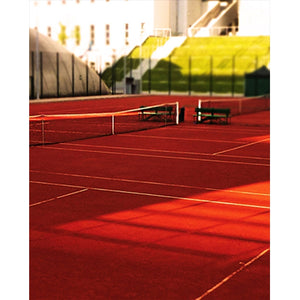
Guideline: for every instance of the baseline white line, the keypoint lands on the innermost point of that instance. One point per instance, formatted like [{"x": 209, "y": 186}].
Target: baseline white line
[
  {"x": 154, "y": 195},
  {"x": 164, "y": 151},
  {"x": 220, "y": 129},
  {"x": 183, "y": 139},
  {"x": 233, "y": 274},
  {"x": 239, "y": 147},
  {"x": 160, "y": 156},
  {"x": 151, "y": 183},
  {"x": 59, "y": 197}
]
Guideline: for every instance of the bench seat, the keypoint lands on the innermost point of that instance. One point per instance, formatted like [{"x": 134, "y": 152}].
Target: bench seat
[
  {"x": 164, "y": 113},
  {"x": 203, "y": 114}
]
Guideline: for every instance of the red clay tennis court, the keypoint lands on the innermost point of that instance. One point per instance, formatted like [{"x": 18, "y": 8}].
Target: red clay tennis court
[{"x": 175, "y": 212}]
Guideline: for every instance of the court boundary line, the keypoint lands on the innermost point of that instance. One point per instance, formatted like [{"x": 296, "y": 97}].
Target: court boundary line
[
  {"x": 234, "y": 128},
  {"x": 58, "y": 197},
  {"x": 183, "y": 139},
  {"x": 166, "y": 151},
  {"x": 153, "y": 195},
  {"x": 242, "y": 146},
  {"x": 160, "y": 156},
  {"x": 152, "y": 183},
  {"x": 233, "y": 274}
]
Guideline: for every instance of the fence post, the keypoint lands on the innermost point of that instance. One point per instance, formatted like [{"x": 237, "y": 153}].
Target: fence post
[
  {"x": 113, "y": 79},
  {"x": 169, "y": 75},
  {"x": 130, "y": 66},
  {"x": 211, "y": 76},
  {"x": 87, "y": 79},
  {"x": 233, "y": 76},
  {"x": 100, "y": 82},
  {"x": 32, "y": 77},
  {"x": 190, "y": 76},
  {"x": 255, "y": 79},
  {"x": 149, "y": 76},
  {"x": 37, "y": 85},
  {"x": 57, "y": 74},
  {"x": 41, "y": 74},
  {"x": 124, "y": 74},
  {"x": 73, "y": 84}
]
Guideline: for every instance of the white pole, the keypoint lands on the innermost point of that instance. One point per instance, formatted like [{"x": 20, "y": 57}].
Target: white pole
[
  {"x": 177, "y": 113},
  {"x": 113, "y": 124},
  {"x": 199, "y": 106}
]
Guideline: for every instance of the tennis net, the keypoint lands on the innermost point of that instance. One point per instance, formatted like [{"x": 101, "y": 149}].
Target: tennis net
[
  {"x": 239, "y": 106},
  {"x": 52, "y": 129}
]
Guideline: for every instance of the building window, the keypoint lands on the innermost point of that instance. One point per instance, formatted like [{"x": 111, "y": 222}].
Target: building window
[
  {"x": 49, "y": 31},
  {"x": 126, "y": 34},
  {"x": 93, "y": 65},
  {"x": 142, "y": 28},
  {"x": 77, "y": 35},
  {"x": 92, "y": 37},
  {"x": 107, "y": 34}
]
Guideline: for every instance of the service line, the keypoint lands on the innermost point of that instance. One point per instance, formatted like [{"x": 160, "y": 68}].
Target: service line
[
  {"x": 152, "y": 195},
  {"x": 58, "y": 197},
  {"x": 158, "y": 156},
  {"x": 226, "y": 190},
  {"x": 239, "y": 147}
]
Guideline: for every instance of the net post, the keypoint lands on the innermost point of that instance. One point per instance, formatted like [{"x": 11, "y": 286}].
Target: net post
[
  {"x": 177, "y": 113},
  {"x": 199, "y": 106},
  {"x": 113, "y": 124}
]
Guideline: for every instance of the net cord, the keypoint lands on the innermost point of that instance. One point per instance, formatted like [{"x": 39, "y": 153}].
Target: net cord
[
  {"x": 241, "y": 100},
  {"x": 108, "y": 114}
]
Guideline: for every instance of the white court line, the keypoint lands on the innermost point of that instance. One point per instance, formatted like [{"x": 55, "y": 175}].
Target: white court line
[
  {"x": 221, "y": 129},
  {"x": 165, "y": 151},
  {"x": 59, "y": 197},
  {"x": 151, "y": 183},
  {"x": 159, "y": 156},
  {"x": 154, "y": 195},
  {"x": 233, "y": 274},
  {"x": 182, "y": 139},
  {"x": 239, "y": 147}
]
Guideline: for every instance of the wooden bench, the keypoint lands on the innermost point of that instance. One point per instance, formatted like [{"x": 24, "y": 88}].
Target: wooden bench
[
  {"x": 160, "y": 113},
  {"x": 222, "y": 115}
]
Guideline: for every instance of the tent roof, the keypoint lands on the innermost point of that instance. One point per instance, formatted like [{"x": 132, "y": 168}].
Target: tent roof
[{"x": 261, "y": 72}]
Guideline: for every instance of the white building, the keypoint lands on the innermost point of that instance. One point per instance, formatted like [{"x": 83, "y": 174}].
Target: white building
[
  {"x": 254, "y": 17},
  {"x": 109, "y": 28},
  {"x": 100, "y": 31}
]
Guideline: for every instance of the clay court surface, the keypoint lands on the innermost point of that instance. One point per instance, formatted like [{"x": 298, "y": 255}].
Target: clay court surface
[{"x": 180, "y": 212}]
